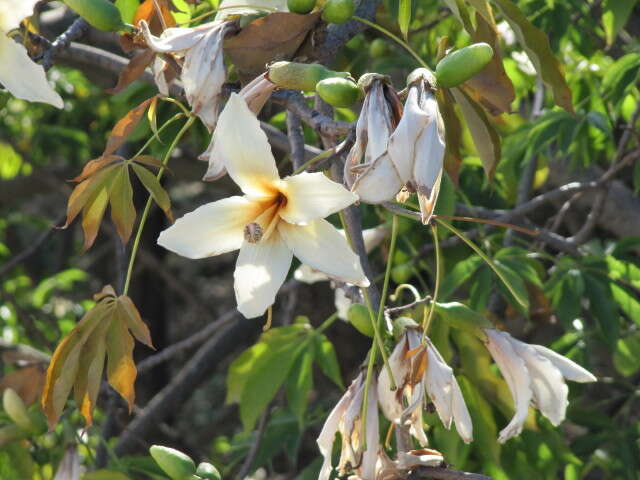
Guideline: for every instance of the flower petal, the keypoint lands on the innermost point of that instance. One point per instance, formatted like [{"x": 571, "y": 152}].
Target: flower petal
[
  {"x": 245, "y": 149},
  {"x": 203, "y": 75},
  {"x": 23, "y": 77},
  {"x": 402, "y": 144},
  {"x": 247, "y": 7},
  {"x": 419, "y": 458},
  {"x": 547, "y": 383},
  {"x": 517, "y": 377},
  {"x": 370, "y": 455},
  {"x": 213, "y": 155},
  {"x": 211, "y": 229},
  {"x": 390, "y": 401},
  {"x": 311, "y": 196},
  {"x": 379, "y": 182},
  {"x": 12, "y": 13},
  {"x": 378, "y": 124},
  {"x": 570, "y": 370},
  {"x": 172, "y": 39},
  {"x": 321, "y": 246},
  {"x": 328, "y": 433},
  {"x": 427, "y": 169},
  {"x": 260, "y": 271}
]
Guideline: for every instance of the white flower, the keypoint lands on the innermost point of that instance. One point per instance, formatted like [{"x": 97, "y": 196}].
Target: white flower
[
  {"x": 275, "y": 219},
  {"x": 524, "y": 62},
  {"x": 255, "y": 94},
  {"x": 416, "y": 368},
  {"x": 19, "y": 74},
  {"x": 372, "y": 238},
  {"x": 203, "y": 73},
  {"x": 535, "y": 375},
  {"x": 379, "y": 116},
  {"x": 424, "y": 457},
  {"x": 69, "y": 468},
  {"x": 346, "y": 419},
  {"x": 415, "y": 152}
]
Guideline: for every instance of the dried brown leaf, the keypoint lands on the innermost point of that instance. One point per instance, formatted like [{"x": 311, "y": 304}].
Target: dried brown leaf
[
  {"x": 484, "y": 135},
  {"x": 274, "y": 37},
  {"x": 95, "y": 165},
  {"x": 28, "y": 382},
  {"x": 93, "y": 212},
  {"x": 125, "y": 127},
  {"x": 452, "y": 134},
  {"x": 491, "y": 86},
  {"x": 133, "y": 70},
  {"x": 147, "y": 12}
]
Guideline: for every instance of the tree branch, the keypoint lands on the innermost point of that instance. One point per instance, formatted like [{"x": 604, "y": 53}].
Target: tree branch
[{"x": 445, "y": 473}]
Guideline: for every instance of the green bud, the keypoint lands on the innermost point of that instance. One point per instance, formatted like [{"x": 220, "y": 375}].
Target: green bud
[
  {"x": 16, "y": 409},
  {"x": 460, "y": 65},
  {"x": 208, "y": 472},
  {"x": 301, "y": 6},
  {"x": 402, "y": 273},
  {"x": 339, "y": 92},
  {"x": 300, "y": 76},
  {"x": 358, "y": 316},
  {"x": 100, "y": 14},
  {"x": 378, "y": 48},
  {"x": 173, "y": 462},
  {"x": 338, "y": 11}
]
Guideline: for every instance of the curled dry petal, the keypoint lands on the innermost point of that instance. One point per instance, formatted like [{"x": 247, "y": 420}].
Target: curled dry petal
[
  {"x": 445, "y": 393},
  {"x": 423, "y": 457},
  {"x": 535, "y": 375}
]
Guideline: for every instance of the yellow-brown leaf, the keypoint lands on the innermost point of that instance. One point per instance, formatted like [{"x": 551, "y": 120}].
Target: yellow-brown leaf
[
  {"x": 84, "y": 191},
  {"x": 147, "y": 12},
  {"x": 28, "y": 382},
  {"x": 133, "y": 321},
  {"x": 63, "y": 368},
  {"x": 125, "y": 127},
  {"x": 133, "y": 70},
  {"x": 121, "y": 371},
  {"x": 96, "y": 165},
  {"x": 123, "y": 212},
  {"x": 92, "y": 215}
]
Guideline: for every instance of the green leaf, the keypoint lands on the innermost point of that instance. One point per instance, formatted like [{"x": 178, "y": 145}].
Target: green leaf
[
  {"x": 458, "y": 275},
  {"x": 127, "y": 9},
  {"x": 462, "y": 317},
  {"x": 299, "y": 385},
  {"x": 620, "y": 77},
  {"x": 152, "y": 184},
  {"x": 626, "y": 357},
  {"x": 516, "y": 290},
  {"x": 627, "y": 303},
  {"x": 536, "y": 44},
  {"x": 484, "y": 135},
  {"x": 327, "y": 360},
  {"x": 404, "y": 17},
  {"x": 603, "y": 308},
  {"x": 615, "y": 16},
  {"x": 565, "y": 289}
]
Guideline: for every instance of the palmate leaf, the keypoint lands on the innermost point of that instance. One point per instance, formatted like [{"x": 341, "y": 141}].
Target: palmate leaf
[
  {"x": 107, "y": 330},
  {"x": 107, "y": 181}
]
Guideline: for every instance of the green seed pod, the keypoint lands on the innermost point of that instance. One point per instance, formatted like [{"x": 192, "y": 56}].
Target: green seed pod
[
  {"x": 301, "y": 6},
  {"x": 101, "y": 14},
  {"x": 208, "y": 472},
  {"x": 402, "y": 273},
  {"x": 358, "y": 316},
  {"x": 16, "y": 409},
  {"x": 461, "y": 65},
  {"x": 339, "y": 92},
  {"x": 338, "y": 11},
  {"x": 173, "y": 462},
  {"x": 378, "y": 48},
  {"x": 300, "y": 76}
]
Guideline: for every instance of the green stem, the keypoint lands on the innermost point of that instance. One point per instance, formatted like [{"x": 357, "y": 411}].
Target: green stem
[
  {"x": 176, "y": 117},
  {"x": 311, "y": 161},
  {"x": 486, "y": 258},
  {"x": 147, "y": 207},
  {"x": 327, "y": 323},
  {"x": 397, "y": 39},
  {"x": 436, "y": 288},
  {"x": 376, "y": 326}
]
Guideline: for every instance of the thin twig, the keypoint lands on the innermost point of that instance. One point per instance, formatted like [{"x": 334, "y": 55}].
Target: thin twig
[
  {"x": 296, "y": 139},
  {"x": 255, "y": 446},
  {"x": 445, "y": 473},
  {"x": 78, "y": 29}
]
